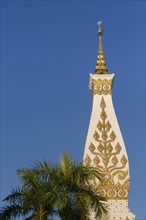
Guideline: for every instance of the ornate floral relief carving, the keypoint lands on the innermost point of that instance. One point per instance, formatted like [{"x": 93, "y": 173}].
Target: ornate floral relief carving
[
  {"x": 101, "y": 87},
  {"x": 106, "y": 160}
]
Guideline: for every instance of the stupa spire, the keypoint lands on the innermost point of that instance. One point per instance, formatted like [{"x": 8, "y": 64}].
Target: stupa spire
[
  {"x": 101, "y": 67},
  {"x": 105, "y": 149}
]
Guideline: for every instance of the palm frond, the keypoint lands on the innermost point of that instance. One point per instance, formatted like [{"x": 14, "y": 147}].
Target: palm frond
[
  {"x": 64, "y": 189},
  {"x": 66, "y": 164},
  {"x": 15, "y": 196},
  {"x": 13, "y": 211}
]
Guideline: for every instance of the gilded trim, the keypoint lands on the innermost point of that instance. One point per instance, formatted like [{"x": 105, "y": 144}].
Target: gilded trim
[{"x": 102, "y": 87}]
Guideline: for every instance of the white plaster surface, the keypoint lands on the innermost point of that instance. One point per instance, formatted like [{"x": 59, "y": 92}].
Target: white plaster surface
[{"x": 118, "y": 209}]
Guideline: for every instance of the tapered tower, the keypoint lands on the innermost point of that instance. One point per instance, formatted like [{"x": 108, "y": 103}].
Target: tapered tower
[{"x": 104, "y": 147}]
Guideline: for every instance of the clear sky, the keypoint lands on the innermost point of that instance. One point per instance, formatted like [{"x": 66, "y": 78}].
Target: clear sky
[{"x": 48, "y": 49}]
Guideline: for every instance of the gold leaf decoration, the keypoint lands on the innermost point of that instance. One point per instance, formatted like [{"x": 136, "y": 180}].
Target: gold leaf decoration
[
  {"x": 100, "y": 126},
  {"x": 114, "y": 160},
  {"x": 96, "y": 136},
  {"x": 108, "y": 126},
  {"x": 126, "y": 184},
  {"x": 123, "y": 160},
  {"x": 107, "y": 159},
  {"x": 117, "y": 186},
  {"x": 96, "y": 160},
  {"x": 112, "y": 136},
  {"x": 103, "y": 115},
  {"x": 111, "y": 190},
  {"x": 118, "y": 148},
  {"x": 109, "y": 147},
  {"x": 101, "y": 87},
  {"x": 100, "y": 147},
  {"x": 122, "y": 193},
  {"x": 102, "y": 104},
  {"x": 104, "y": 135},
  {"x": 122, "y": 175},
  {"x": 87, "y": 160},
  {"x": 92, "y": 147},
  {"x": 111, "y": 193}
]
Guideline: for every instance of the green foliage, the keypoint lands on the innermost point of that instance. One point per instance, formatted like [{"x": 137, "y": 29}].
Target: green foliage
[{"x": 64, "y": 189}]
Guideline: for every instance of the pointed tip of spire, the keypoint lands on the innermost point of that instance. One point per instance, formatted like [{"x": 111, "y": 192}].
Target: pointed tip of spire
[
  {"x": 100, "y": 32},
  {"x": 101, "y": 67},
  {"x": 99, "y": 22}
]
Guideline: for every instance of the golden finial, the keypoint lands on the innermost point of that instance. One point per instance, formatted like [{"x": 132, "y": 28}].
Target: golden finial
[
  {"x": 101, "y": 67},
  {"x": 100, "y": 32}
]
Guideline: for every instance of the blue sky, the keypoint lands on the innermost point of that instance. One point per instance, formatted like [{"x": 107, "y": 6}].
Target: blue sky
[{"x": 48, "y": 49}]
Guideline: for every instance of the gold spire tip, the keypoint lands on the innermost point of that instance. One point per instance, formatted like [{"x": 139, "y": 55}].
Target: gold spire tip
[
  {"x": 101, "y": 67},
  {"x": 100, "y": 32}
]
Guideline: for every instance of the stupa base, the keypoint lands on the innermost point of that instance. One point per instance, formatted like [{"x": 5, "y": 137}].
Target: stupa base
[{"x": 117, "y": 210}]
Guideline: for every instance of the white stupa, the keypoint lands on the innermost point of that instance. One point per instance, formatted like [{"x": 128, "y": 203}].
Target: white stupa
[{"x": 104, "y": 147}]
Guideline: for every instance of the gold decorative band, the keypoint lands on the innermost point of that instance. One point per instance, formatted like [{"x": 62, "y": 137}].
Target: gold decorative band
[{"x": 102, "y": 87}]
